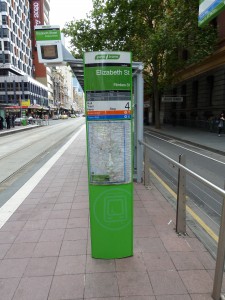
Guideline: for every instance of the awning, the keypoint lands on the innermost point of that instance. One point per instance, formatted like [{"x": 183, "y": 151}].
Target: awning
[
  {"x": 15, "y": 107},
  {"x": 12, "y": 107},
  {"x": 53, "y": 107},
  {"x": 35, "y": 106}
]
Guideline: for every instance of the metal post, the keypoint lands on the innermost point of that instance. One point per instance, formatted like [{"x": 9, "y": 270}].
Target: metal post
[
  {"x": 181, "y": 199},
  {"x": 20, "y": 101},
  {"x": 218, "y": 277},
  {"x": 140, "y": 120},
  {"x": 147, "y": 181},
  {"x": 135, "y": 125}
]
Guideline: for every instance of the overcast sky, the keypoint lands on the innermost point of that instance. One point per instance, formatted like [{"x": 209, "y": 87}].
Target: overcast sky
[{"x": 65, "y": 10}]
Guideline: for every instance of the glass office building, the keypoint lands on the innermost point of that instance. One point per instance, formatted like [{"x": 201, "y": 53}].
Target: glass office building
[{"x": 16, "y": 64}]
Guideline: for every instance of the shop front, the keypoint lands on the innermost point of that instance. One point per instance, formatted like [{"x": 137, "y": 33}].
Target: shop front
[{"x": 37, "y": 111}]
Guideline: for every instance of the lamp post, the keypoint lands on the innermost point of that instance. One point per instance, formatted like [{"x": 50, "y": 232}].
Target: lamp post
[{"x": 20, "y": 101}]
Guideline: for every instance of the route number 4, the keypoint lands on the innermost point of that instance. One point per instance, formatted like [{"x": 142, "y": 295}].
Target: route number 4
[{"x": 127, "y": 105}]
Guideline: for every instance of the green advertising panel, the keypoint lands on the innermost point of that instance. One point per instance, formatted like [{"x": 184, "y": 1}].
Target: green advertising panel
[
  {"x": 208, "y": 10},
  {"x": 108, "y": 90},
  {"x": 49, "y": 44}
]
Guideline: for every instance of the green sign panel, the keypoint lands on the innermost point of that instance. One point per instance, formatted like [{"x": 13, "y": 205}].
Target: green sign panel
[
  {"x": 48, "y": 35},
  {"x": 108, "y": 78},
  {"x": 208, "y": 10},
  {"x": 108, "y": 90}
]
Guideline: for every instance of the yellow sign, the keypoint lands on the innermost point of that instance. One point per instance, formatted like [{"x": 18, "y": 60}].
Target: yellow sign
[{"x": 25, "y": 103}]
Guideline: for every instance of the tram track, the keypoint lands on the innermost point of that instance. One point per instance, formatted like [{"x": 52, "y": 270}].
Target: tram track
[
  {"x": 52, "y": 146},
  {"x": 46, "y": 129}
]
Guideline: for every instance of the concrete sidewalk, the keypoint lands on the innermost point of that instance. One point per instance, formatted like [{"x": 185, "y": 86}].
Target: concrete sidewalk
[
  {"x": 205, "y": 139},
  {"x": 45, "y": 250}
]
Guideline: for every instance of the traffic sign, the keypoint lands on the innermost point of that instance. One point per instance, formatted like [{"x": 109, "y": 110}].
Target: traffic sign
[{"x": 172, "y": 99}]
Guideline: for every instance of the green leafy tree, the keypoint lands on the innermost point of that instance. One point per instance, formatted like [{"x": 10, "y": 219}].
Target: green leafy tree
[{"x": 155, "y": 31}]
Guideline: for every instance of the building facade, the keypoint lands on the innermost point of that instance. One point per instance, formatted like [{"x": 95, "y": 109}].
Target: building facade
[
  {"x": 40, "y": 16},
  {"x": 202, "y": 87},
  {"x": 16, "y": 66},
  {"x": 63, "y": 90}
]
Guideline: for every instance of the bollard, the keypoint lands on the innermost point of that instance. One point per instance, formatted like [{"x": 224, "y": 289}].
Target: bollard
[
  {"x": 147, "y": 181},
  {"x": 218, "y": 277},
  {"x": 181, "y": 199}
]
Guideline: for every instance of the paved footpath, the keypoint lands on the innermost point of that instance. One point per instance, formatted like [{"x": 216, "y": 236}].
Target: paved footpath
[
  {"x": 205, "y": 139},
  {"x": 45, "y": 248}
]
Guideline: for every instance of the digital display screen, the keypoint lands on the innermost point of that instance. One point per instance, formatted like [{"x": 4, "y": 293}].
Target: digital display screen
[{"x": 49, "y": 52}]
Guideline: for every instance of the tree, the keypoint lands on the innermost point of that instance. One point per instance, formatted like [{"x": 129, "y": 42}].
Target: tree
[{"x": 155, "y": 31}]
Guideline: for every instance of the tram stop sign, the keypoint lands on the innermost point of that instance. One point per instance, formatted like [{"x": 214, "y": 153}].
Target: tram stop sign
[{"x": 108, "y": 102}]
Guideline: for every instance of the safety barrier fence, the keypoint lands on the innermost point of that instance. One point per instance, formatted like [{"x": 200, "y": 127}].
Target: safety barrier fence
[
  {"x": 40, "y": 122},
  {"x": 181, "y": 209}
]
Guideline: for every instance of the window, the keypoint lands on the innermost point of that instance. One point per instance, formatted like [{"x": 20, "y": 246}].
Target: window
[
  {"x": 18, "y": 86},
  {"x": 185, "y": 54},
  {"x": 2, "y": 86},
  {"x": 13, "y": 37},
  {"x": 3, "y": 6},
  {"x": 183, "y": 94},
  {"x": 25, "y": 86},
  {"x": 3, "y": 98},
  {"x": 14, "y": 28},
  {"x": 5, "y": 32},
  {"x": 7, "y": 58},
  {"x": 10, "y": 86},
  {"x": 6, "y": 45},
  {"x": 210, "y": 88},
  {"x": 4, "y": 20},
  {"x": 16, "y": 19},
  {"x": 195, "y": 93}
]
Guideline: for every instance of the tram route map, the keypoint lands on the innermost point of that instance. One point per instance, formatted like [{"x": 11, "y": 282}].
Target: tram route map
[{"x": 109, "y": 148}]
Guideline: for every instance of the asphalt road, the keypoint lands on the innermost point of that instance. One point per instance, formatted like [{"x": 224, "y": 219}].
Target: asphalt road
[{"x": 23, "y": 153}]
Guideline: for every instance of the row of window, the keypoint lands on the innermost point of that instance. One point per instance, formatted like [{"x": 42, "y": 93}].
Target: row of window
[
  {"x": 24, "y": 63},
  {"x": 6, "y": 33},
  {"x": 14, "y": 100},
  {"x": 8, "y": 46},
  {"x": 24, "y": 87},
  {"x": 17, "y": 11},
  {"x": 195, "y": 92}
]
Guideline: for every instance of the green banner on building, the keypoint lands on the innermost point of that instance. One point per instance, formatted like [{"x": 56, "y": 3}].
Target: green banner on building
[{"x": 208, "y": 10}]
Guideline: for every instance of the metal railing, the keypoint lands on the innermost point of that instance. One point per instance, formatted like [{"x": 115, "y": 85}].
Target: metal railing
[
  {"x": 40, "y": 122},
  {"x": 181, "y": 209}
]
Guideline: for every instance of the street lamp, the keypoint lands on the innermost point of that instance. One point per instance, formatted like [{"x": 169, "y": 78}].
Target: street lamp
[{"x": 20, "y": 102}]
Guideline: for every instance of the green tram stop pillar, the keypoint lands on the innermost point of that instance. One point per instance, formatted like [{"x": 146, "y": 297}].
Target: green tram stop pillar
[{"x": 109, "y": 125}]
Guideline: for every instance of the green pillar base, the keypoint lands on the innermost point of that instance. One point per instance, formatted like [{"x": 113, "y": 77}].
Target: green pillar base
[{"x": 111, "y": 217}]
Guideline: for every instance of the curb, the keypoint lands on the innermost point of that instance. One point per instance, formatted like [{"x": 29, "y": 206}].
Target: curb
[
  {"x": 18, "y": 130},
  {"x": 189, "y": 142}
]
